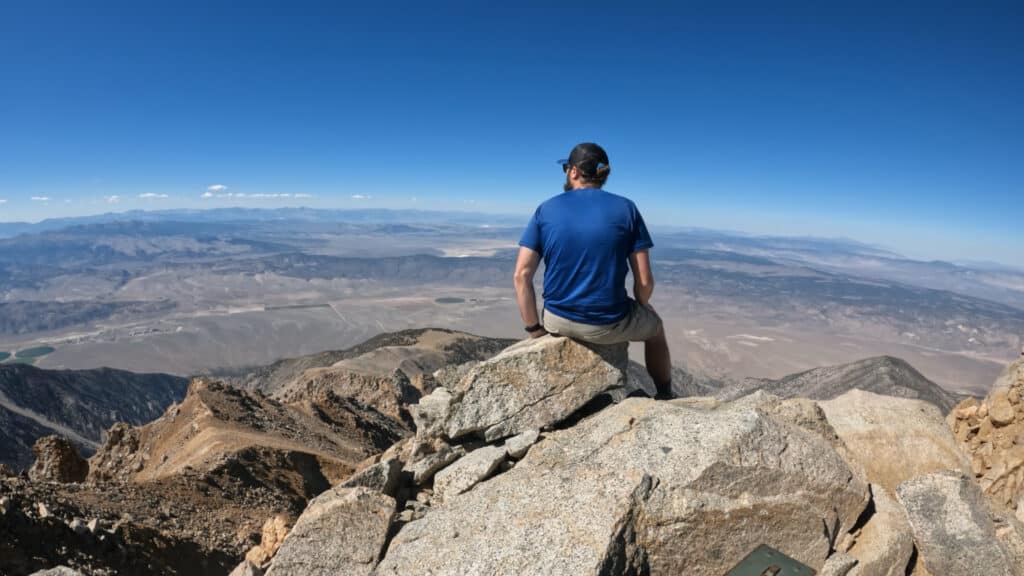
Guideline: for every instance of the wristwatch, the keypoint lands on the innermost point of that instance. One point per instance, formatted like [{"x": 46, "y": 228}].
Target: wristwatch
[{"x": 534, "y": 328}]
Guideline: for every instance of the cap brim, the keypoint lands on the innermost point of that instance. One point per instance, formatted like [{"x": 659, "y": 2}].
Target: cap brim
[{"x": 563, "y": 161}]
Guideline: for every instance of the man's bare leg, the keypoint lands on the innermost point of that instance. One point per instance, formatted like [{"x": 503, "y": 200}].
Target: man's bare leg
[{"x": 659, "y": 363}]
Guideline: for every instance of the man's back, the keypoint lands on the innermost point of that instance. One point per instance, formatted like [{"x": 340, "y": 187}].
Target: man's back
[{"x": 585, "y": 237}]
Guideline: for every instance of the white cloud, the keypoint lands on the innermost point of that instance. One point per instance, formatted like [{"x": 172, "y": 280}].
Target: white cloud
[
  {"x": 216, "y": 188},
  {"x": 112, "y": 199},
  {"x": 3, "y": 201},
  {"x": 41, "y": 198},
  {"x": 67, "y": 201},
  {"x": 153, "y": 195},
  {"x": 361, "y": 197},
  {"x": 256, "y": 196}
]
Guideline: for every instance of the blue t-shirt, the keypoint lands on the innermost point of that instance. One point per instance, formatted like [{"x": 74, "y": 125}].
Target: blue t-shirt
[{"x": 585, "y": 237}]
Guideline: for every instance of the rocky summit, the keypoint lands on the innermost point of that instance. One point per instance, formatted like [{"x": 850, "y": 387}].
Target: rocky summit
[{"x": 540, "y": 458}]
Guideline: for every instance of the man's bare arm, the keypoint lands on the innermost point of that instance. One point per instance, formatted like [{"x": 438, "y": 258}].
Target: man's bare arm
[
  {"x": 526, "y": 296},
  {"x": 643, "y": 278}
]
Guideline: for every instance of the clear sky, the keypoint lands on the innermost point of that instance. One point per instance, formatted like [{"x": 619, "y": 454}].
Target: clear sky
[{"x": 895, "y": 123}]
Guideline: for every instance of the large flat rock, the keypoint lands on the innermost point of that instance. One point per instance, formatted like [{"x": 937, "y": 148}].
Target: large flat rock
[
  {"x": 643, "y": 487},
  {"x": 533, "y": 384}
]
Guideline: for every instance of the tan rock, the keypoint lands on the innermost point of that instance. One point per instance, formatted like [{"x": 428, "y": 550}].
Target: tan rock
[
  {"x": 893, "y": 439},
  {"x": 57, "y": 460},
  {"x": 273, "y": 534},
  {"x": 1001, "y": 413},
  {"x": 967, "y": 412}
]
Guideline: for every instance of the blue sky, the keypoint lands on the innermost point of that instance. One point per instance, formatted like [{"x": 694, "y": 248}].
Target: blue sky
[{"x": 899, "y": 124}]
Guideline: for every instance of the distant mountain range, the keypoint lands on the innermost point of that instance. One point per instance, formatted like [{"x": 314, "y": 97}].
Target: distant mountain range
[{"x": 365, "y": 216}]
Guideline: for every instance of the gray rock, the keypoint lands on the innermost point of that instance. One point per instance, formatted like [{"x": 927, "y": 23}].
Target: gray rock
[
  {"x": 954, "y": 534},
  {"x": 423, "y": 470},
  {"x": 430, "y": 413},
  {"x": 342, "y": 531},
  {"x": 468, "y": 471},
  {"x": 450, "y": 375},
  {"x": 911, "y": 434},
  {"x": 517, "y": 446},
  {"x": 643, "y": 487},
  {"x": 533, "y": 384},
  {"x": 838, "y": 564},
  {"x": 883, "y": 375},
  {"x": 884, "y": 545},
  {"x": 382, "y": 477}
]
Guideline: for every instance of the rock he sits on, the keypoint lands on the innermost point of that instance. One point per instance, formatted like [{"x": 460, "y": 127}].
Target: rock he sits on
[{"x": 533, "y": 384}]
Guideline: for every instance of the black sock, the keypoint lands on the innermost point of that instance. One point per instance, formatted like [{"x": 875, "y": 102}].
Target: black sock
[{"x": 664, "y": 389}]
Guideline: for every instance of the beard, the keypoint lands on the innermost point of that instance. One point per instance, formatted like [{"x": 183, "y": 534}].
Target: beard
[{"x": 567, "y": 186}]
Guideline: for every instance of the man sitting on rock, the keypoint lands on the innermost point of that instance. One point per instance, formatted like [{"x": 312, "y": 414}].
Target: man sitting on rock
[{"x": 587, "y": 237}]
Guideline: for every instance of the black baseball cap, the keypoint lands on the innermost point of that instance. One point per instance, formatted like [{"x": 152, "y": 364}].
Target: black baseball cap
[{"x": 587, "y": 157}]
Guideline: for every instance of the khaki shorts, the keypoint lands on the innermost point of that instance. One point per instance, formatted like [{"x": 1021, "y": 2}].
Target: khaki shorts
[{"x": 639, "y": 325}]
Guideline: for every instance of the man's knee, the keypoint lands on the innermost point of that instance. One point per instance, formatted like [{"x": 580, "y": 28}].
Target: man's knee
[{"x": 659, "y": 334}]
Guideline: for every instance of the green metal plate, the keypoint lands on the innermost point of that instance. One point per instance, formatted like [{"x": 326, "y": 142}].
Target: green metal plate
[{"x": 767, "y": 561}]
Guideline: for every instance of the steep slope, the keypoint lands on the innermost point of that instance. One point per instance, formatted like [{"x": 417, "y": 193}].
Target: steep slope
[
  {"x": 189, "y": 492},
  {"x": 219, "y": 429},
  {"x": 79, "y": 404},
  {"x": 883, "y": 375}
]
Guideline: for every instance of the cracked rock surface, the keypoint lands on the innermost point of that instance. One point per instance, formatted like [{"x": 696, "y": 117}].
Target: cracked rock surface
[
  {"x": 533, "y": 384},
  {"x": 643, "y": 487}
]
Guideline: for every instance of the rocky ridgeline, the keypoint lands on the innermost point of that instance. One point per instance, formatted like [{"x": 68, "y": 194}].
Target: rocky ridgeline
[
  {"x": 991, "y": 432},
  {"x": 535, "y": 461},
  {"x": 532, "y": 462}
]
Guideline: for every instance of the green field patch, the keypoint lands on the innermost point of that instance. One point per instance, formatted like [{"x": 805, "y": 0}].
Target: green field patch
[
  {"x": 4, "y": 356},
  {"x": 34, "y": 352},
  {"x": 449, "y": 300}
]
